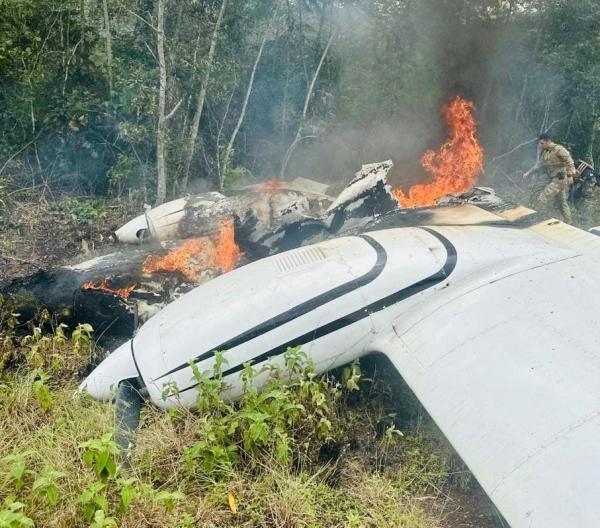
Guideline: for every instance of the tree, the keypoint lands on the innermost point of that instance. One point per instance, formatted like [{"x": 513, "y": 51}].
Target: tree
[{"x": 193, "y": 134}]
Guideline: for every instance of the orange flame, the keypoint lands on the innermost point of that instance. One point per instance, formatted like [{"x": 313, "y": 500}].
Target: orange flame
[
  {"x": 103, "y": 286},
  {"x": 227, "y": 252},
  {"x": 195, "y": 256},
  {"x": 270, "y": 186},
  {"x": 457, "y": 165}
]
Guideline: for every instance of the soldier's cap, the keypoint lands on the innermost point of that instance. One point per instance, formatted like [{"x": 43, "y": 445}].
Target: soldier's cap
[{"x": 544, "y": 136}]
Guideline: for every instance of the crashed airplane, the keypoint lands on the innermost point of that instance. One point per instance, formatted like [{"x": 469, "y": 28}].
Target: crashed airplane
[{"x": 489, "y": 313}]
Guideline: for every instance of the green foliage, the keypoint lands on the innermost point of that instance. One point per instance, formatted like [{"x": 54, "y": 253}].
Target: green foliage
[
  {"x": 102, "y": 521},
  {"x": 42, "y": 391},
  {"x": 82, "y": 341},
  {"x": 127, "y": 492},
  {"x": 266, "y": 421},
  {"x": 17, "y": 465},
  {"x": 278, "y": 481},
  {"x": 168, "y": 499},
  {"x": 45, "y": 485},
  {"x": 44, "y": 352},
  {"x": 93, "y": 499},
  {"x": 234, "y": 175},
  {"x": 11, "y": 516},
  {"x": 351, "y": 376},
  {"x": 84, "y": 211},
  {"x": 100, "y": 454},
  {"x": 8, "y": 323}
]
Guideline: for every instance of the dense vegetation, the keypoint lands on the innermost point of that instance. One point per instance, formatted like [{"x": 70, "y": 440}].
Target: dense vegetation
[
  {"x": 122, "y": 102},
  {"x": 306, "y": 451},
  {"x": 102, "y": 97}
]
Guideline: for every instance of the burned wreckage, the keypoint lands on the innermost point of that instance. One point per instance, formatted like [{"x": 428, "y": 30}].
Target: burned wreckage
[{"x": 488, "y": 311}]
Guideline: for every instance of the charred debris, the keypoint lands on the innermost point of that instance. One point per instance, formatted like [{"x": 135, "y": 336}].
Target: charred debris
[{"x": 167, "y": 251}]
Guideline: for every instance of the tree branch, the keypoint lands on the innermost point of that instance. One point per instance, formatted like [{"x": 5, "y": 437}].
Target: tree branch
[
  {"x": 142, "y": 19},
  {"x": 170, "y": 115}
]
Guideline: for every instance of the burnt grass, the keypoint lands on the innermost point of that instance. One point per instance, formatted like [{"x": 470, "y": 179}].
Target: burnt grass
[{"x": 42, "y": 234}]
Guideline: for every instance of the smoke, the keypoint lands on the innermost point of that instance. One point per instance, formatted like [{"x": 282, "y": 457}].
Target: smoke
[
  {"x": 398, "y": 63},
  {"x": 385, "y": 102}
]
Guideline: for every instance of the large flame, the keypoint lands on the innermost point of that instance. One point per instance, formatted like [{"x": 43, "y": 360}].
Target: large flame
[
  {"x": 197, "y": 255},
  {"x": 457, "y": 165},
  {"x": 104, "y": 286}
]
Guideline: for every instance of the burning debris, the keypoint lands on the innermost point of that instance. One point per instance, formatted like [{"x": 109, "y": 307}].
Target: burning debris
[
  {"x": 104, "y": 286},
  {"x": 198, "y": 255},
  {"x": 272, "y": 203},
  {"x": 184, "y": 243},
  {"x": 458, "y": 164},
  {"x": 188, "y": 241}
]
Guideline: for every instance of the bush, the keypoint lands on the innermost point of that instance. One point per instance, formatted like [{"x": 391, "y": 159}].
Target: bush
[{"x": 257, "y": 461}]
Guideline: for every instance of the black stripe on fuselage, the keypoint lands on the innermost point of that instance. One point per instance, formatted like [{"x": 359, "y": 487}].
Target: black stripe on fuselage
[
  {"x": 439, "y": 276},
  {"x": 299, "y": 310}
]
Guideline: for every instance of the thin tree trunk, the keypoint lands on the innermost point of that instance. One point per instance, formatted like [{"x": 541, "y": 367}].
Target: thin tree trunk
[
  {"x": 220, "y": 132},
  {"x": 309, "y": 92},
  {"x": 195, "y": 126},
  {"x": 161, "y": 131},
  {"x": 590, "y": 151},
  {"x": 109, "y": 56},
  {"x": 229, "y": 149}
]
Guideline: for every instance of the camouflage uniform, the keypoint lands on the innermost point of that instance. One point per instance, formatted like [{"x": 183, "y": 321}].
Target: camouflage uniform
[
  {"x": 588, "y": 198},
  {"x": 557, "y": 164}
]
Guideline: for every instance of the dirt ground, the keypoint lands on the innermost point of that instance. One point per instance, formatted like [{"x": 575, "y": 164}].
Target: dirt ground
[{"x": 38, "y": 234}]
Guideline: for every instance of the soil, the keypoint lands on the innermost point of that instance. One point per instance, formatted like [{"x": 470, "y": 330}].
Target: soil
[
  {"x": 471, "y": 509},
  {"x": 41, "y": 234}
]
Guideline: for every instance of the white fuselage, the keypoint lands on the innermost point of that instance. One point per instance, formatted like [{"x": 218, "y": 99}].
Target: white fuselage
[{"x": 495, "y": 329}]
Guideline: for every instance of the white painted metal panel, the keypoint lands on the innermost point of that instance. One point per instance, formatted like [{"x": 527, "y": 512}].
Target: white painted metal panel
[{"x": 496, "y": 329}]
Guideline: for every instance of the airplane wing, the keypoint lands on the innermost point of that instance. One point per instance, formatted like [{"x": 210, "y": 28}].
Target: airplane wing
[
  {"x": 506, "y": 359},
  {"x": 492, "y": 320}
]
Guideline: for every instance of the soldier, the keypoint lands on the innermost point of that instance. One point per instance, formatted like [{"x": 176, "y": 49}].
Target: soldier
[
  {"x": 557, "y": 164},
  {"x": 586, "y": 194}
]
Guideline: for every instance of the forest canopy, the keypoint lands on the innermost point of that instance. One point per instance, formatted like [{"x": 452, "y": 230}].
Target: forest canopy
[{"x": 163, "y": 97}]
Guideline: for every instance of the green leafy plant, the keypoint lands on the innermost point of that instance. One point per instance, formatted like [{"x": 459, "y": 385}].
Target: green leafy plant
[
  {"x": 127, "y": 492},
  {"x": 45, "y": 485},
  {"x": 102, "y": 521},
  {"x": 351, "y": 376},
  {"x": 42, "y": 391},
  {"x": 17, "y": 469},
  {"x": 11, "y": 515},
  {"x": 265, "y": 421},
  {"x": 8, "y": 323},
  {"x": 93, "y": 499},
  {"x": 186, "y": 521},
  {"x": 100, "y": 454},
  {"x": 168, "y": 499},
  {"x": 84, "y": 211},
  {"x": 82, "y": 340}
]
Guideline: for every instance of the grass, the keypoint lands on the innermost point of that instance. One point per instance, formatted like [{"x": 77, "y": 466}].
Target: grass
[{"x": 355, "y": 472}]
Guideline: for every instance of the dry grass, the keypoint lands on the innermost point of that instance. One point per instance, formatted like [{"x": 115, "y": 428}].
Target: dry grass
[{"x": 345, "y": 493}]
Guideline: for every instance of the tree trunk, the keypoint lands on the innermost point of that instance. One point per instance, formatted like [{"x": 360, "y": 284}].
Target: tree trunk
[
  {"x": 309, "y": 92},
  {"x": 229, "y": 149},
  {"x": 201, "y": 98},
  {"x": 161, "y": 131},
  {"x": 109, "y": 57}
]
